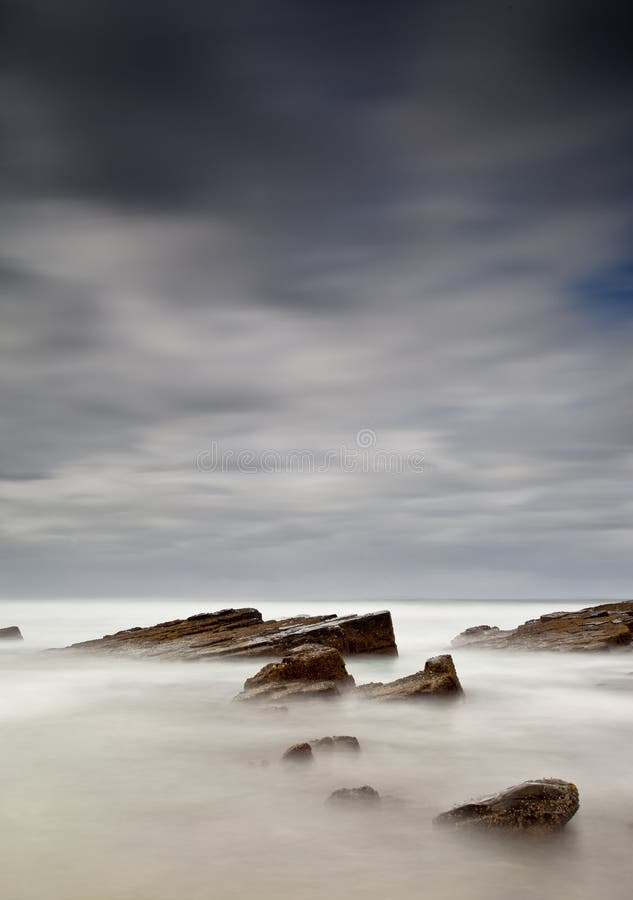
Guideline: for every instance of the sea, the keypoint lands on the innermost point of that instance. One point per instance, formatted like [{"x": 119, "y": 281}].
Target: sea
[{"x": 139, "y": 780}]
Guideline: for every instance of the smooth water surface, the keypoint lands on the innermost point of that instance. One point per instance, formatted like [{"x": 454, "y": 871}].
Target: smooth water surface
[{"x": 141, "y": 780}]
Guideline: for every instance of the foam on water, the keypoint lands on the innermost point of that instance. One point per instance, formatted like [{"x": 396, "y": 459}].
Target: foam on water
[{"x": 137, "y": 780}]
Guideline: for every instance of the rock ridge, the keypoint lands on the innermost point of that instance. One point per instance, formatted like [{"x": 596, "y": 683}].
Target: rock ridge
[
  {"x": 244, "y": 633},
  {"x": 595, "y": 628}
]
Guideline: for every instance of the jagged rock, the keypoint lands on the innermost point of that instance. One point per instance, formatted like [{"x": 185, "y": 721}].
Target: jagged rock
[
  {"x": 438, "y": 679},
  {"x": 594, "y": 628},
  {"x": 243, "y": 633},
  {"x": 545, "y": 804},
  {"x": 11, "y": 633},
  {"x": 305, "y": 672},
  {"x": 473, "y": 634},
  {"x": 298, "y": 753},
  {"x": 359, "y": 796},
  {"x": 339, "y": 742}
]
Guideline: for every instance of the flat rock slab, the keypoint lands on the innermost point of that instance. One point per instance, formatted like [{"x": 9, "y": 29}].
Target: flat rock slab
[
  {"x": 476, "y": 633},
  {"x": 546, "y": 804},
  {"x": 11, "y": 633},
  {"x": 605, "y": 627},
  {"x": 244, "y": 633},
  {"x": 437, "y": 679}
]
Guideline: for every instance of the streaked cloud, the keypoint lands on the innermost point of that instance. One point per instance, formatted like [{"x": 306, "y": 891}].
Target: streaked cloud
[{"x": 271, "y": 228}]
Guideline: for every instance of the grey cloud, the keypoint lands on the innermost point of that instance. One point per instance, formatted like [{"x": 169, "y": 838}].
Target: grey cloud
[{"x": 273, "y": 228}]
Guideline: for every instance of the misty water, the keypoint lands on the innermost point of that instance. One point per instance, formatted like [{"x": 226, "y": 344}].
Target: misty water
[{"x": 131, "y": 780}]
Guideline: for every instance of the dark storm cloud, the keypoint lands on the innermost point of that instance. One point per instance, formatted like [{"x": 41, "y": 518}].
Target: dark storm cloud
[
  {"x": 188, "y": 103},
  {"x": 164, "y": 101},
  {"x": 273, "y": 225}
]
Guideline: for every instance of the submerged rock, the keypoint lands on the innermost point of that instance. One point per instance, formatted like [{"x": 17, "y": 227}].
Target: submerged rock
[
  {"x": 11, "y": 633},
  {"x": 307, "y": 671},
  {"x": 546, "y": 804},
  {"x": 244, "y": 633},
  {"x": 338, "y": 742},
  {"x": 293, "y": 690},
  {"x": 594, "y": 628},
  {"x": 438, "y": 679},
  {"x": 298, "y": 753},
  {"x": 359, "y": 796}
]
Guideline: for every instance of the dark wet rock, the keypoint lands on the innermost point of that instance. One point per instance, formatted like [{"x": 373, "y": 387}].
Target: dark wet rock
[
  {"x": 243, "y": 633},
  {"x": 298, "y": 753},
  {"x": 11, "y": 633},
  {"x": 473, "y": 634},
  {"x": 344, "y": 743},
  {"x": 308, "y": 671},
  {"x": 437, "y": 679},
  {"x": 595, "y": 628},
  {"x": 355, "y": 797},
  {"x": 546, "y": 804}
]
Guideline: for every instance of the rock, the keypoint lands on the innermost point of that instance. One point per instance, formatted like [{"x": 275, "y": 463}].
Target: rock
[
  {"x": 244, "y": 633},
  {"x": 298, "y": 753},
  {"x": 309, "y": 662},
  {"x": 293, "y": 690},
  {"x": 303, "y": 751},
  {"x": 338, "y": 742},
  {"x": 473, "y": 634},
  {"x": 11, "y": 633},
  {"x": 438, "y": 679},
  {"x": 546, "y": 804},
  {"x": 355, "y": 797},
  {"x": 595, "y": 628},
  {"x": 307, "y": 671}
]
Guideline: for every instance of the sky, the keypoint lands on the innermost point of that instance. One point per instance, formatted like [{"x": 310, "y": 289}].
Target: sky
[{"x": 249, "y": 231}]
